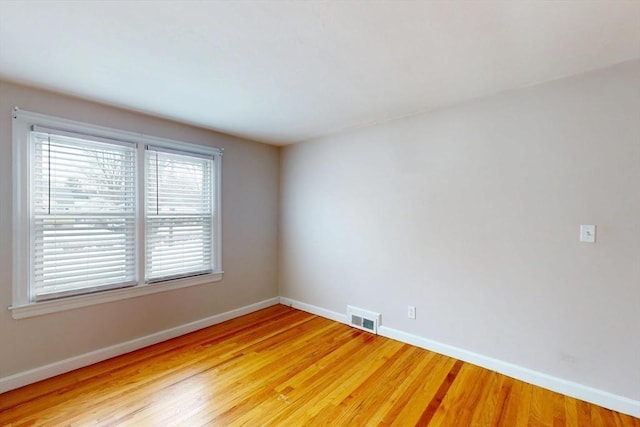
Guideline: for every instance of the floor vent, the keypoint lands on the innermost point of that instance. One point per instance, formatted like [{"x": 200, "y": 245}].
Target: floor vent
[{"x": 363, "y": 319}]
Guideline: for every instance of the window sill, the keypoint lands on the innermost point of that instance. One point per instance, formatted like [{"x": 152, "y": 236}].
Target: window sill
[{"x": 70, "y": 303}]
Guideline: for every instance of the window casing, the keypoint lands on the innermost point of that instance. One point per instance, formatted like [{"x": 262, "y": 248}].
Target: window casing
[{"x": 102, "y": 214}]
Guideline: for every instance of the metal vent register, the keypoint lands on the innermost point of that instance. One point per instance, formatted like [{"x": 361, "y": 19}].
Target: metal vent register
[{"x": 363, "y": 319}]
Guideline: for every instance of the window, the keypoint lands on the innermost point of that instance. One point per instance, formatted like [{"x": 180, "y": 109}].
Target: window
[
  {"x": 84, "y": 214},
  {"x": 179, "y": 214},
  {"x": 98, "y": 209}
]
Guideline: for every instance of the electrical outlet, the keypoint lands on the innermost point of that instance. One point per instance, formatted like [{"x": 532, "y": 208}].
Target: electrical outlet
[{"x": 411, "y": 312}]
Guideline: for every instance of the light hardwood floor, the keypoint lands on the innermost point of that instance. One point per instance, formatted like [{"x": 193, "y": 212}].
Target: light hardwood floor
[{"x": 284, "y": 367}]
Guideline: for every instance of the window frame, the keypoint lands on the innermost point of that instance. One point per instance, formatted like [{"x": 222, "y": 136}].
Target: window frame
[{"x": 22, "y": 162}]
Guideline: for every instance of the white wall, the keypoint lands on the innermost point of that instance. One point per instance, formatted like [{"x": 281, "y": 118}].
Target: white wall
[
  {"x": 250, "y": 227},
  {"x": 471, "y": 214}
]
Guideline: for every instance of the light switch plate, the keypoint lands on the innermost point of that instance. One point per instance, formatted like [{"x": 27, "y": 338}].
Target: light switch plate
[{"x": 588, "y": 233}]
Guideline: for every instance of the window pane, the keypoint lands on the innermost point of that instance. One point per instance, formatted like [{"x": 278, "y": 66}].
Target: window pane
[
  {"x": 179, "y": 220},
  {"x": 84, "y": 216}
]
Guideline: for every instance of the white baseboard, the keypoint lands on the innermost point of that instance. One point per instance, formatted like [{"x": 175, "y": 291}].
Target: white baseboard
[
  {"x": 322, "y": 312},
  {"x": 27, "y": 377},
  {"x": 549, "y": 382}
]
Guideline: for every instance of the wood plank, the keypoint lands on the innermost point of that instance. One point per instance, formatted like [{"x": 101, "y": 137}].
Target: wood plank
[
  {"x": 461, "y": 398},
  {"x": 559, "y": 412},
  {"x": 541, "y": 413},
  {"x": 281, "y": 366},
  {"x": 506, "y": 384},
  {"x": 483, "y": 413},
  {"x": 517, "y": 406}
]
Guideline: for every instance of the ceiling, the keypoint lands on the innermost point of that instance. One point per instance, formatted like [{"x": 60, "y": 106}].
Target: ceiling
[{"x": 287, "y": 71}]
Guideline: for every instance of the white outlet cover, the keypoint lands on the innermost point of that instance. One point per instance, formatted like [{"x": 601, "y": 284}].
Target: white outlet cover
[
  {"x": 411, "y": 312},
  {"x": 588, "y": 233}
]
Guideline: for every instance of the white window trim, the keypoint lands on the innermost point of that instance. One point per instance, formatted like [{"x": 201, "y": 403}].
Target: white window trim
[{"x": 22, "y": 306}]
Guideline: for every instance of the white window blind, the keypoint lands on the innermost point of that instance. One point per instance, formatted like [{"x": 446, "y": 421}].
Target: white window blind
[
  {"x": 84, "y": 214},
  {"x": 179, "y": 214}
]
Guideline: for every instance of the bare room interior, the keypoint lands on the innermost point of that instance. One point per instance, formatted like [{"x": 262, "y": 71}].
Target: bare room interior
[{"x": 345, "y": 213}]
